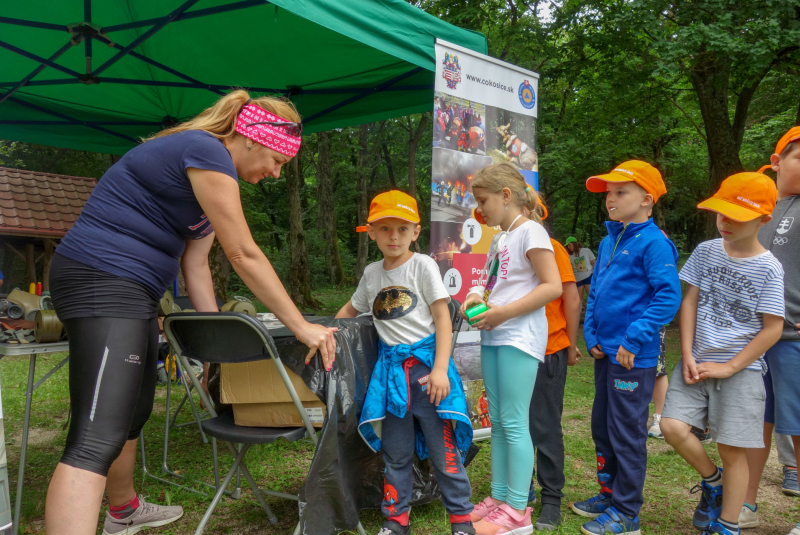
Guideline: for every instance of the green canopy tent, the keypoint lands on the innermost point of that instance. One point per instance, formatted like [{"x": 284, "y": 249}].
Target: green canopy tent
[{"x": 100, "y": 76}]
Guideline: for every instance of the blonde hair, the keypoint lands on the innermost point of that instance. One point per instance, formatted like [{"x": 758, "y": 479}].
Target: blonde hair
[
  {"x": 499, "y": 176},
  {"x": 220, "y": 119}
]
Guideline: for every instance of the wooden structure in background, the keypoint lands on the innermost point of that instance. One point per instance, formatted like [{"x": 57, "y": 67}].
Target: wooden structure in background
[{"x": 37, "y": 210}]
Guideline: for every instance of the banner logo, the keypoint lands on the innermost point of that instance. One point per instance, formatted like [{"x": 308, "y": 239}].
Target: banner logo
[
  {"x": 452, "y": 71},
  {"x": 526, "y": 96}
]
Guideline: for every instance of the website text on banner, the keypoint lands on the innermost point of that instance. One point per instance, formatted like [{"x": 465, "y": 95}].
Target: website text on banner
[{"x": 484, "y": 112}]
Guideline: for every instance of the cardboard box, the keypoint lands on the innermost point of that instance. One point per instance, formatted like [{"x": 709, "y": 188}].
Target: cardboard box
[{"x": 260, "y": 399}]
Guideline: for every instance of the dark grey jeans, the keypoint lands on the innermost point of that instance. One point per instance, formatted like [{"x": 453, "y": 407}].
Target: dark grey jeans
[{"x": 547, "y": 404}]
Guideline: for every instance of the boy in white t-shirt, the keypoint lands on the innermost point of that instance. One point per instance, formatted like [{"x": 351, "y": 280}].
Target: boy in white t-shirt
[
  {"x": 414, "y": 383},
  {"x": 731, "y": 314}
]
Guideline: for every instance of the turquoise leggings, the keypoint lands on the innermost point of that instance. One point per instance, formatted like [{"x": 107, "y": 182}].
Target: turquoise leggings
[{"x": 509, "y": 375}]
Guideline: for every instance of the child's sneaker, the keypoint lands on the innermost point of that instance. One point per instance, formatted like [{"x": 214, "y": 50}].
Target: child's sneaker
[
  {"x": 704, "y": 436},
  {"x": 709, "y": 507},
  {"x": 483, "y": 509},
  {"x": 462, "y": 529},
  {"x": 614, "y": 522},
  {"x": 655, "y": 429},
  {"x": 790, "y": 486},
  {"x": 715, "y": 528},
  {"x": 748, "y": 518},
  {"x": 390, "y": 527},
  {"x": 593, "y": 507},
  {"x": 505, "y": 521}
]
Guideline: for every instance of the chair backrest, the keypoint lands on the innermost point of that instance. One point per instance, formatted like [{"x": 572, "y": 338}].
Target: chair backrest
[
  {"x": 228, "y": 337},
  {"x": 224, "y": 337},
  {"x": 455, "y": 315}
]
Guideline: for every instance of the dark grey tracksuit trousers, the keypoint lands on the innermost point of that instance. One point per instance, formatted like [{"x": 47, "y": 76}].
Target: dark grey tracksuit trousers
[{"x": 547, "y": 404}]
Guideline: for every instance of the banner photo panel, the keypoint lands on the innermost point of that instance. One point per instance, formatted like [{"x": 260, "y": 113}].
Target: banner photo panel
[{"x": 484, "y": 112}]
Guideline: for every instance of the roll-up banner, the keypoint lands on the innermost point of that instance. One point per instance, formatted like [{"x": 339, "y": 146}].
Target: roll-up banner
[{"x": 484, "y": 112}]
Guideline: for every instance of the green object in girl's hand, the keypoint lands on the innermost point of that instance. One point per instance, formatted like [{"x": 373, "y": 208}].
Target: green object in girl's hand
[{"x": 477, "y": 310}]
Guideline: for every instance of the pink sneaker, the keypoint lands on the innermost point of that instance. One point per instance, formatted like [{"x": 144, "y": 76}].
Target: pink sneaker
[
  {"x": 505, "y": 521},
  {"x": 482, "y": 509}
]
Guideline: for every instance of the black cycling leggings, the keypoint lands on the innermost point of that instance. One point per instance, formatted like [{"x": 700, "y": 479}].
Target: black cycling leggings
[{"x": 112, "y": 383}]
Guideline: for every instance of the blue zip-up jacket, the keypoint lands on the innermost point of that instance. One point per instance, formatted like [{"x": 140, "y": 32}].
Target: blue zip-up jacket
[
  {"x": 388, "y": 391},
  {"x": 635, "y": 290}
]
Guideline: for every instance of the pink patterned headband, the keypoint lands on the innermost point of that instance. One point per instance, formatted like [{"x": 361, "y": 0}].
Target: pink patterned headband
[{"x": 275, "y": 137}]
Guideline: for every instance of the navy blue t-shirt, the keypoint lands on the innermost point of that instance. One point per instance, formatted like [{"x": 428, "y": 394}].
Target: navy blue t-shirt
[{"x": 136, "y": 221}]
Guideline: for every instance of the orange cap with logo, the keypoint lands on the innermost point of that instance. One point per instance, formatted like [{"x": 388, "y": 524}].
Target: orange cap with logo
[
  {"x": 743, "y": 197},
  {"x": 392, "y": 203},
  {"x": 789, "y": 137},
  {"x": 642, "y": 173}
]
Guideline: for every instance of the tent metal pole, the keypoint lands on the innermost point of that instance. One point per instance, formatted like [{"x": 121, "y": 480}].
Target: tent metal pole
[
  {"x": 187, "y": 16},
  {"x": 34, "y": 57},
  {"x": 145, "y": 36},
  {"x": 34, "y": 24},
  {"x": 87, "y": 43},
  {"x": 70, "y": 123},
  {"x": 36, "y": 71},
  {"x": 71, "y": 120},
  {"x": 363, "y": 94}
]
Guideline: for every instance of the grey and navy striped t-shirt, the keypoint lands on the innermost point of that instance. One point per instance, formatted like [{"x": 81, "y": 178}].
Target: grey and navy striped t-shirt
[{"x": 734, "y": 293}]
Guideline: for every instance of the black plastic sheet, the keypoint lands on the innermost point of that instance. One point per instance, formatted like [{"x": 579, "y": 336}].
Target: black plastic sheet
[{"x": 345, "y": 475}]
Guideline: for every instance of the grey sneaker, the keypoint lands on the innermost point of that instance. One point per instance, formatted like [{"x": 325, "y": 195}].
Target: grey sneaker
[
  {"x": 655, "y": 429},
  {"x": 748, "y": 518},
  {"x": 790, "y": 485},
  {"x": 147, "y": 515}
]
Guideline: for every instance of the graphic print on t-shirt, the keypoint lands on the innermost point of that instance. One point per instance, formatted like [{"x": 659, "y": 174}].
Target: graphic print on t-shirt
[
  {"x": 393, "y": 302},
  {"x": 580, "y": 263},
  {"x": 722, "y": 310}
]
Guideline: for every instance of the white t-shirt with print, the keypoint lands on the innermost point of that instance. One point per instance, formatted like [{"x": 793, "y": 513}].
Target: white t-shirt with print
[
  {"x": 400, "y": 299},
  {"x": 734, "y": 295},
  {"x": 516, "y": 279},
  {"x": 582, "y": 264}
]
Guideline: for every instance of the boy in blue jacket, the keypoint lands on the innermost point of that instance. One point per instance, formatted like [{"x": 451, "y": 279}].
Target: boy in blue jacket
[
  {"x": 414, "y": 385},
  {"x": 635, "y": 290}
]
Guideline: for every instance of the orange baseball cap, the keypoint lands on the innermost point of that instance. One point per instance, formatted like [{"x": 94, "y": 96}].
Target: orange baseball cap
[
  {"x": 743, "y": 197},
  {"x": 392, "y": 203},
  {"x": 642, "y": 173},
  {"x": 789, "y": 137}
]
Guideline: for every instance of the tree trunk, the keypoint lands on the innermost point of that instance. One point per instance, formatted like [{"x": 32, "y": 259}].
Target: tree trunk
[
  {"x": 413, "y": 143},
  {"x": 577, "y": 212},
  {"x": 220, "y": 270},
  {"x": 299, "y": 283},
  {"x": 362, "y": 201},
  {"x": 710, "y": 77},
  {"x": 797, "y": 119},
  {"x": 387, "y": 157},
  {"x": 8, "y": 267},
  {"x": 49, "y": 247},
  {"x": 326, "y": 212}
]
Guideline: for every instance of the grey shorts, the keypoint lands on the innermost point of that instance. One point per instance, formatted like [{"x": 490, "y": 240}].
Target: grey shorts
[{"x": 732, "y": 408}]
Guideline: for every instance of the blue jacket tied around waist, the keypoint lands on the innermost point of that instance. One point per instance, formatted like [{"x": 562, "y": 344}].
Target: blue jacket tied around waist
[
  {"x": 635, "y": 290},
  {"x": 388, "y": 391}
]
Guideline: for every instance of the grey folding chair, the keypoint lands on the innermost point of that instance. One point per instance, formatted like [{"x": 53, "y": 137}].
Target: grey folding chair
[{"x": 231, "y": 337}]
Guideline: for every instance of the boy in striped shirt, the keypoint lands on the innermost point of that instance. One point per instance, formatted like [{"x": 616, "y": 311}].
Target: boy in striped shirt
[{"x": 731, "y": 314}]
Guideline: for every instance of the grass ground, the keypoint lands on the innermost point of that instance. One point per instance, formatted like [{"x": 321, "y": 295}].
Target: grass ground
[{"x": 667, "y": 510}]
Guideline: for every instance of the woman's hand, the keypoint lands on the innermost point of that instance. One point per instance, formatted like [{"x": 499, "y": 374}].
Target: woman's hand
[
  {"x": 319, "y": 338},
  {"x": 496, "y": 315},
  {"x": 438, "y": 386},
  {"x": 469, "y": 302}
]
